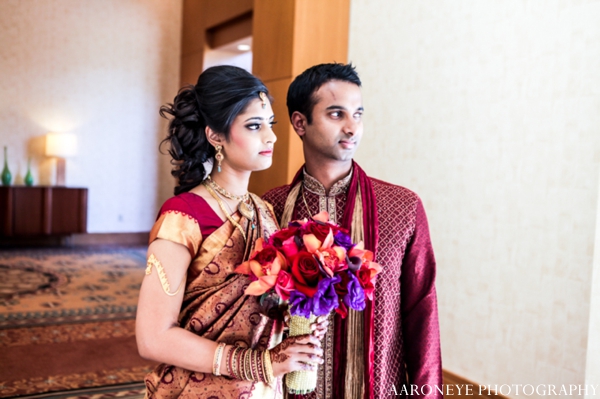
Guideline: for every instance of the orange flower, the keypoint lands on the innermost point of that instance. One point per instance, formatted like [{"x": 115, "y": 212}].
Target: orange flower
[
  {"x": 360, "y": 252},
  {"x": 264, "y": 266},
  {"x": 313, "y": 244},
  {"x": 321, "y": 217},
  {"x": 332, "y": 259}
]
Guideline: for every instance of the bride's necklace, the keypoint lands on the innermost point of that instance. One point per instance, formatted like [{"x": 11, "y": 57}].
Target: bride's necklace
[
  {"x": 245, "y": 205},
  {"x": 224, "y": 192},
  {"x": 223, "y": 209},
  {"x": 245, "y": 208}
]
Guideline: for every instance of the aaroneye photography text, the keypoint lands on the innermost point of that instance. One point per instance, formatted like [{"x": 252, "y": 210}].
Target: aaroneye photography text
[{"x": 502, "y": 389}]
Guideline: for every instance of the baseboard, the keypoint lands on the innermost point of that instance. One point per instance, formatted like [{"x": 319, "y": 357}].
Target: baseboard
[
  {"x": 77, "y": 240},
  {"x": 31, "y": 242},
  {"x": 121, "y": 239},
  {"x": 458, "y": 387}
]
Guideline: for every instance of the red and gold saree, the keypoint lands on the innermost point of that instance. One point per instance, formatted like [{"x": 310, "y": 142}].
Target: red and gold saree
[{"x": 214, "y": 305}]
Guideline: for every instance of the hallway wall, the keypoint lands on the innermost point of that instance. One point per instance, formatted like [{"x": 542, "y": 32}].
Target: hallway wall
[
  {"x": 99, "y": 69},
  {"x": 489, "y": 111}
]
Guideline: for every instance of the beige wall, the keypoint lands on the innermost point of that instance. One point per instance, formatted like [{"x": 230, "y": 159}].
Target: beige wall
[
  {"x": 593, "y": 352},
  {"x": 490, "y": 111},
  {"x": 99, "y": 69}
]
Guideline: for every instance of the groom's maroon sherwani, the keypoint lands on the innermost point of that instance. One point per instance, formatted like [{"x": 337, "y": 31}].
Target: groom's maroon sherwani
[{"x": 406, "y": 330}]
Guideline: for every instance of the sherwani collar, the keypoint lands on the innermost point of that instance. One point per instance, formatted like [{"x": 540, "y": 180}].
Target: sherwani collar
[{"x": 314, "y": 186}]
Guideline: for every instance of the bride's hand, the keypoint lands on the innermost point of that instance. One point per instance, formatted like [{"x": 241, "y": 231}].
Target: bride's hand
[
  {"x": 302, "y": 352},
  {"x": 318, "y": 327}
]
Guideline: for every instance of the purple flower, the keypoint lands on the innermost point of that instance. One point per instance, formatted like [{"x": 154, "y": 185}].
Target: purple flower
[
  {"x": 300, "y": 304},
  {"x": 326, "y": 299},
  {"x": 343, "y": 240},
  {"x": 354, "y": 263},
  {"x": 355, "y": 298}
]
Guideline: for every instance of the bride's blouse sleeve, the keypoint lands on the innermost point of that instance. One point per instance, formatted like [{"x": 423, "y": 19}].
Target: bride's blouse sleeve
[{"x": 176, "y": 223}]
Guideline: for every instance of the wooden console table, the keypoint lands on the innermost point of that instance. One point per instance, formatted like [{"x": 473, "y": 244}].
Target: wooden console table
[{"x": 42, "y": 211}]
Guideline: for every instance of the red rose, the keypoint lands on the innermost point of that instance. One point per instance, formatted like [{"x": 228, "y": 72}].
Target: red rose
[
  {"x": 341, "y": 289},
  {"x": 284, "y": 285},
  {"x": 320, "y": 230},
  {"x": 306, "y": 273},
  {"x": 342, "y": 310},
  {"x": 278, "y": 238},
  {"x": 364, "y": 277},
  {"x": 266, "y": 256},
  {"x": 290, "y": 248}
]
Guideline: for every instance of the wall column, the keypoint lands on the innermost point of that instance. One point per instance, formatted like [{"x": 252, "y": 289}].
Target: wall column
[
  {"x": 288, "y": 37},
  {"x": 207, "y": 23}
]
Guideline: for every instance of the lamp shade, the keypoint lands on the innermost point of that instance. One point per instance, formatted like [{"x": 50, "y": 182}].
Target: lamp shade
[{"x": 61, "y": 145}]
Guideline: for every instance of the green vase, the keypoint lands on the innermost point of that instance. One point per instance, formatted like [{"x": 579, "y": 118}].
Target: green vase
[
  {"x": 29, "y": 176},
  {"x": 6, "y": 175}
]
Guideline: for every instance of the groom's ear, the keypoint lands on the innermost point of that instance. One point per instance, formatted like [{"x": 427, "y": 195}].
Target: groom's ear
[{"x": 299, "y": 123}]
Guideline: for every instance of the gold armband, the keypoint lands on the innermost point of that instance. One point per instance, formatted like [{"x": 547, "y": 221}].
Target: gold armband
[{"x": 152, "y": 261}]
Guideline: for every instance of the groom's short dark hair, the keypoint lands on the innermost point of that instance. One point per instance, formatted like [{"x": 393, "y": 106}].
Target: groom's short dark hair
[{"x": 300, "y": 96}]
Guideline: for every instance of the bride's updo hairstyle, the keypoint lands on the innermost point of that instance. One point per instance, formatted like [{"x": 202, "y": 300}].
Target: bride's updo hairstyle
[{"x": 221, "y": 94}]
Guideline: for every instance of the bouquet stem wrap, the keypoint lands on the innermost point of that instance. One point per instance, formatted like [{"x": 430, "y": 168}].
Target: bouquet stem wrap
[{"x": 301, "y": 382}]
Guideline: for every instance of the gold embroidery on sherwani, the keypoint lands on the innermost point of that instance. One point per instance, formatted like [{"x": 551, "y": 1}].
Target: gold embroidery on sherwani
[
  {"x": 327, "y": 200},
  {"x": 215, "y": 307}
]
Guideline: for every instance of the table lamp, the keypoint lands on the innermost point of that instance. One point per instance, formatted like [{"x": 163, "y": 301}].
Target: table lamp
[{"x": 61, "y": 146}]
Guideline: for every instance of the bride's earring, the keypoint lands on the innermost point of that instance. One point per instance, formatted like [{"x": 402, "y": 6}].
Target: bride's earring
[{"x": 219, "y": 156}]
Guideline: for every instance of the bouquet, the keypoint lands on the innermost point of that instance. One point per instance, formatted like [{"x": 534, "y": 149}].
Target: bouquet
[{"x": 314, "y": 267}]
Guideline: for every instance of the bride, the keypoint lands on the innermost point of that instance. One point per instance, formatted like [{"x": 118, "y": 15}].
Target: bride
[{"x": 210, "y": 339}]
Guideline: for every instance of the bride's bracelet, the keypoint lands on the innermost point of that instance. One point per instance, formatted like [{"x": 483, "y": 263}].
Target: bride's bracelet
[
  {"x": 217, "y": 358},
  {"x": 250, "y": 364}
]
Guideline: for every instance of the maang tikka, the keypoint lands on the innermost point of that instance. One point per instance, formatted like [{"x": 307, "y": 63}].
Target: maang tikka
[
  {"x": 263, "y": 98},
  {"x": 219, "y": 156}
]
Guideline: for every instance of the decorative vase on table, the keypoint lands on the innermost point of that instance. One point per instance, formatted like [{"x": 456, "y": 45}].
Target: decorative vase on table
[
  {"x": 29, "y": 176},
  {"x": 6, "y": 175},
  {"x": 316, "y": 269}
]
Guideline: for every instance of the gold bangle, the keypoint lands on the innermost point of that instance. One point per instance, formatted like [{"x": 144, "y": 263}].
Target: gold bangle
[
  {"x": 269, "y": 377},
  {"x": 247, "y": 365},
  {"x": 217, "y": 358},
  {"x": 254, "y": 369},
  {"x": 235, "y": 363},
  {"x": 240, "y": 362}
]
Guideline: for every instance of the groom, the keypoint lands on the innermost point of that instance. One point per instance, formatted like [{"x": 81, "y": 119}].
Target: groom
[{"x": 393, "y": 347}]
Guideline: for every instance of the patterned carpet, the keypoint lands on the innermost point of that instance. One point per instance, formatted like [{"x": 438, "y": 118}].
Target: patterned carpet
[
  {"x": 63, "y": 286},
  {"x": 67, "y": 323},
  {"x": 125, "y": 391}
]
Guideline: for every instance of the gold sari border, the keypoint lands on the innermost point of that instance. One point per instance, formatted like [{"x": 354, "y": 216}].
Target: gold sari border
[{"x": 178, "y": 227}]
